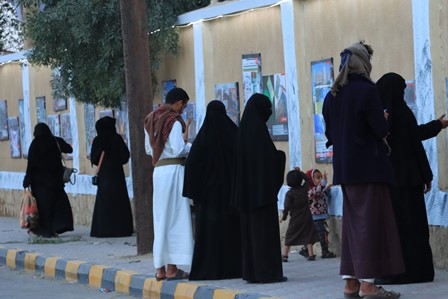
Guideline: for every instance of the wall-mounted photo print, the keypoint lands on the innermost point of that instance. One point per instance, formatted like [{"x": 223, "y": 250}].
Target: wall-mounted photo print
[
  {"x": 14, "y": 137},
  {"x": 228, "y": 94},
  {"x": 322, "y": 77},
  {"x": 274, "y": 87},
  {"x": 89, "y": 125},
  {"x": 41, "y": 112},
  {"x": 66, "y": 133},
  {"x": 252, "y": 81},
  {"x": 54, "y": 123},
  {"x": 4, "y": 120}
]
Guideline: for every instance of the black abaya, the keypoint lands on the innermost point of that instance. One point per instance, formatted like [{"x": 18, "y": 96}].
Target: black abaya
[
  {"x": 112, "y": 215},
  {"x": 412, "y": 170},
  {"x": 217, "y": 248},
  {"x": 258, "y": 176},
  {"x": 44, "y": 176}
]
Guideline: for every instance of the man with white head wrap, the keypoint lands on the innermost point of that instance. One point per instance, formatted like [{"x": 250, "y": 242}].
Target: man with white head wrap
[{"x": 356, "y": 126}]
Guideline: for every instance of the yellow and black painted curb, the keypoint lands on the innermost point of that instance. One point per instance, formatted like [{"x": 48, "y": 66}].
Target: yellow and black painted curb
[{"x": 122, "y": 281}]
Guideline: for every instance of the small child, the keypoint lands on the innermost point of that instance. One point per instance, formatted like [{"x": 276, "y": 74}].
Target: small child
[
  {"x": 301, "y": 230},
  {"x": 317, "y": 193}
]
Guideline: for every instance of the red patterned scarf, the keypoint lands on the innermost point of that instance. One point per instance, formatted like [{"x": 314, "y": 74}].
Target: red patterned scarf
[{"x": 158, "y": 124}]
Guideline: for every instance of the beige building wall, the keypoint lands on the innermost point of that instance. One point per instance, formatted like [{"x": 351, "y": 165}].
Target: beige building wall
[{"x": 180, "y": 68}]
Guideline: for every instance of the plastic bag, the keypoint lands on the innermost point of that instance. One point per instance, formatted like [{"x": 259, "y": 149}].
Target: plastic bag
[{"x": 29, "y": 216}]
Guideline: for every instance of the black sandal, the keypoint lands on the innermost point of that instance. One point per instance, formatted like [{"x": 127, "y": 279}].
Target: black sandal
[
  {"x": 285, "y": 258},
  {"x": 328, "y": 255}
]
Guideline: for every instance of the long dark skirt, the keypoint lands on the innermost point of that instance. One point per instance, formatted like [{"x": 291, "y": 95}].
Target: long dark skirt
[
  {"x": 412, "y": 222},
  {"x": 55, "y": 212},
  {"x": 261, "y": 246},
  {"x": 217, "y": 246},
  {"x": 370, "y": 245}
]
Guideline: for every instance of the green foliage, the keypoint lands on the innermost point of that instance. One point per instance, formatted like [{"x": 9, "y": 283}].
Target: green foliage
[
  {"x": 11, "y": 39},
  {"x": 82, "y": 39}
]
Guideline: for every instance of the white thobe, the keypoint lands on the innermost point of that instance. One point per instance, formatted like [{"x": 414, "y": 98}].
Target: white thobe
[{"x": 173, "y": 234}]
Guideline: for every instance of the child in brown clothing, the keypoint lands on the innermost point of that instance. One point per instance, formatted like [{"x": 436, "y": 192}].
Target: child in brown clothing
[{"x": 301, "y": 230}]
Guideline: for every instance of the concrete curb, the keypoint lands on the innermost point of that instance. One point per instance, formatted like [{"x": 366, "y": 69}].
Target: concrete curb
[{"x": 122, "y": 281}]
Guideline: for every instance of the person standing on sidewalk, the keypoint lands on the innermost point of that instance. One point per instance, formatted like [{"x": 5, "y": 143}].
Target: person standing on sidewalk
[
  {"x": 166, "y": 136},
  {"x": 258, "y": 176},
  {"x": 112, "y": 214},
  {"x": 217, "y": 246},
  {"x": 356, "y": 127},
  {"x": 301, "y": 230},
  {"x": 318, "y": 193},
  {"x": 413, "y": 177}
]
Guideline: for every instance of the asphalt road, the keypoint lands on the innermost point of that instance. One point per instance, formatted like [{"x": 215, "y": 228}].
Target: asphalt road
[{"x": 17, "y": 284}]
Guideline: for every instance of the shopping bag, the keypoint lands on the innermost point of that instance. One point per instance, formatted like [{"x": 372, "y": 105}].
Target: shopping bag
[{"x": 29, "y": 216}]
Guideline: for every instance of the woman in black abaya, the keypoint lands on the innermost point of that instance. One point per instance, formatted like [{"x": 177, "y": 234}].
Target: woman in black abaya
[
  {"x": 413, "y": 178},
  {"x": 258, "y": 176},
  {"x": 44, "y": 176},
  {"x": 112, "y": 215},
  {"x": 217, "y": 247}
]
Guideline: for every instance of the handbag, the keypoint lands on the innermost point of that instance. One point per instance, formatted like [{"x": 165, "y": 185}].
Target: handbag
[
  {"x": 66, "y": 177},
  {"x": 29, "y": 216},
  {"x": 95, "y": 177},
  {"x": 68, "y": 171}
]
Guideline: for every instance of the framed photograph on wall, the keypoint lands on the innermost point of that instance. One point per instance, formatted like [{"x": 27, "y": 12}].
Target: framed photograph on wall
[
  {"x": 121, "y": 115},
  {"x": 41, "y": 112},
  {"x": 14, "y": 137},
  {"x": 410, "y": 97},
  {"x": 252, "y": 81},
  {"x": 66, "y": 132},
  {"x": 108, "y": 112},
  {"x": 22, "y": 127},
  {"x": 4, "y": 133},
  {"x": 228, "y": 94},
  {"x": 274, "y": 87},
  {"x": 89, "y": 125},
  {"x": 322, "y": 77},
  {"x": 54, "y": 123},
  {"x": 167, "y": 85},
  {"x": 190, "y": 113},
  {"x": 59, "y": 104}
]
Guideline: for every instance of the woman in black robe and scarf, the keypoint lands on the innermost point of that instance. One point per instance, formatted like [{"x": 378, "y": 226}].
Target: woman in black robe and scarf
[
  {"x": 258, "y": 176},
  {"x": 207, "y": 181},
  {"x": 413, "y": 178},
  {"x": 112, "y": 215},
  {"x": 44, "y": 175}
]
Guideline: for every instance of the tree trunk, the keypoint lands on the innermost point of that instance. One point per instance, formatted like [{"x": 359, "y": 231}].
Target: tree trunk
[{"x": 139, "y": 97}]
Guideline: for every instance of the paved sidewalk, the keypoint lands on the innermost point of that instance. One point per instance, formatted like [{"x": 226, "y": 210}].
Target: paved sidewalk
[{"x": 318, "y": 279}]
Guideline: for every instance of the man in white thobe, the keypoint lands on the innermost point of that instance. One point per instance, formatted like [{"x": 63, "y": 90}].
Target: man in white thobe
[{"x": 166, "y": 141}]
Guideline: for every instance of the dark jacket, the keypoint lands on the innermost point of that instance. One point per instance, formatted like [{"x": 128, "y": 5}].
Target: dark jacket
[{"x": 355, "y": 126}]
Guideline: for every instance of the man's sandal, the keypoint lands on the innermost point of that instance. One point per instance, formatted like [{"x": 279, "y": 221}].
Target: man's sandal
[
  {"x": 285, "y": 258},
  {"x": 381, "y": 294},
  {"x": 159, "y": 278},
  {"x": 181, "y": 274}
]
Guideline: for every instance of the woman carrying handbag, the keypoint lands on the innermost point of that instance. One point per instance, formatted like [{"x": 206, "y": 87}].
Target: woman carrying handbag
[{"x": 112, "y": 215}]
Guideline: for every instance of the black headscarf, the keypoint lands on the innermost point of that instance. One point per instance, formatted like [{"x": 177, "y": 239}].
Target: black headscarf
[
  {"x": 210, "y": 159},
  {"x": 408, "y": 157},
  {"x": 106, "y": 139},
  {"x": 258, "y": 166},
  {"x": 45, "y": 141}
]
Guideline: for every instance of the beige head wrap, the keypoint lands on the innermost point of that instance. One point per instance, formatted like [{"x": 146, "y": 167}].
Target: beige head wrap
[{"x": 354, "y": 60}]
